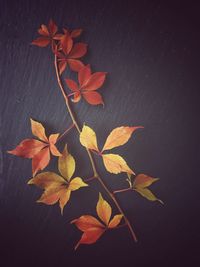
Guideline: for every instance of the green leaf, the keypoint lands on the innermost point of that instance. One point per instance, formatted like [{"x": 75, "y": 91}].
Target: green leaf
[{"x": 147, "y": 194}]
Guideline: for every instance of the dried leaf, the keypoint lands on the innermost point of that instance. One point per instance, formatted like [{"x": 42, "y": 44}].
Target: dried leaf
[
  {"x": 119, "y": 136},
  {"x": 86, "y": 222},
  {"x": 91, "y": 227},
  {"x": 145, "y": 192},
  {"x": 115, "y": 221},
  {"x": 88, "y": 138},
  {"x": 66, "y": 164},
  {"x": 88, "y": 83},
  {"x": 115, "y": 164},
  {"x": 39, "y": 151},
  {"x": 76, "y": 183},
  {"x": 40, "y": 160},
  {"x": 103, "y": 210},
  {"x": 141, "y": 182},
  {"x": 48, "y": 35},
  {"x": 28, "y": 148},
  {"x": 90, "y": 236},
  {"x": 93, "y": 98},
  {"x": 57, "y": 188}
]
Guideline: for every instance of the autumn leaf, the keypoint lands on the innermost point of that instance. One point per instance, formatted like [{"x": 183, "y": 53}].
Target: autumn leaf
[
  {"x": 48, "y": 35},
  {"x": 113, "y": 163},
  {"x": 119, "y": 136},
  {"x": 38, "y": 151},
  {"x": 70, "y": 53},
  {"x": 88, "y": 138},
  {"x": 140, "y": 184},
  {"x": 92, "y": 228},
  {"x": 88, "y": 84},
  {"x": 58, "y": 188}
]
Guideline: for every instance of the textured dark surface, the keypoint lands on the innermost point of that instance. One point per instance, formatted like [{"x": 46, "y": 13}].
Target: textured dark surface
[{"x": 150, "y": 51}]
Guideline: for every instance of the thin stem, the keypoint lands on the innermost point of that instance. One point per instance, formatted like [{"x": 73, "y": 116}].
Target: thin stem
[
  {"x": 122, "y": 190},
  {"x": 89, "y": 153},
  {"x": 120, "y": 226},
  {"x": 90, "y": 179},
  {"x": 65, "y": 132}
]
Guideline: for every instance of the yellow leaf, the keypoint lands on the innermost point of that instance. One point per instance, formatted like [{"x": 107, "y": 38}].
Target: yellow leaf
[
  {"x": 76, "y": 183},
  {"x": 88, "y": 138},
  {"x": 148, "y": 194},
  {"x": 119, "y": 136},
  {"x": 115, "y": 164},
  {"x": 103, "y": 210},
  {"x": 115, "y": 221},
  {"x": 64, "y": 198},
  {"x": 143, "y": 180},
  {"x": 47, "y": 179},
  {"x": 38, "y": 130},
  {"x": 66, "y": 164}
]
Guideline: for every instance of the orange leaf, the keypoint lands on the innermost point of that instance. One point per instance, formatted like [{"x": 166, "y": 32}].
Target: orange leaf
[
  {"x": 28, "y": 148},
  {"x": 93, "y": 228},
  {"x": 115, "y": 221},
  {"x": 143, "y": 180},
  {"x": 115, "y": 164},
  {"x": 52, "y": 140},
  {"x": 119, "y": 136},
  {"x": 86, "y": 222},
  {"x": 38, "y": 130},
  {"x": 40, "y": 160},
  {"x": 103, "y": 210}
]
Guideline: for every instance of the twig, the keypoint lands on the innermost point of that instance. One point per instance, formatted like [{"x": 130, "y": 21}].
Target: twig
[
  {"x": 65, "y": 132},
  {"x": 89, "y": 153}
]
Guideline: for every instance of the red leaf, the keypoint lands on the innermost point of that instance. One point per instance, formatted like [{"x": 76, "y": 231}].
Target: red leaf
[
  {"x": 93, "y": 98},
  {"x": 43, "y": 30},
  {"x": 90, "y": 236},
  {"x": 78, "y": 50},
  {"x": 62, "y": 66},
  {"x": 28, "y": 148},
  {"x": 52, "y": 27},
  {"x": 66, "y": 43},
  {"x": 76, "y": 33},
  {"x": 96, "y": 81},
  {"x": 75, "y": 64},
  {"x": 84, "y": 75},
  {"x": 41, "y": 41},
  {"x": 71, "y": 84}
]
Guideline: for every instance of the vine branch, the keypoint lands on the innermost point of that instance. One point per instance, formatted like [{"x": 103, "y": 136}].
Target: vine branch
[{"x": 89, "y": 153}]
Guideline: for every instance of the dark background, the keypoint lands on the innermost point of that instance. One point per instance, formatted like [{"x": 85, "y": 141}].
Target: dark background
[{"x": 150, "y": 50}]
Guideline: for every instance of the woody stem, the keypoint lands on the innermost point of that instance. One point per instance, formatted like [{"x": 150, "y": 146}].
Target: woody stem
[{"x": 89, "y": 153}]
